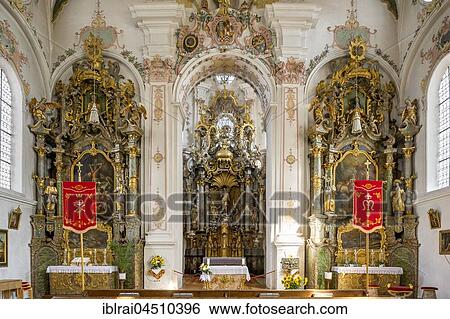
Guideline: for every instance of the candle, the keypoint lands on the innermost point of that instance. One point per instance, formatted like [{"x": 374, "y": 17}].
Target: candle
[
  {"x": 95, "y": 256},
  {"x": 65, "y": 257}
]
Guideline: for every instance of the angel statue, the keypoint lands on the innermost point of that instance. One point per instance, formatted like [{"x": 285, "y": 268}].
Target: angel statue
[
  {"x": 398, "y": 198},
  {"x": 409, "y": 114}
]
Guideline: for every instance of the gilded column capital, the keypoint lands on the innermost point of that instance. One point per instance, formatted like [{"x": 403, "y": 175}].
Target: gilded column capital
[
  {"x": 409, "y": 151},
  {"x": 317, "y": 151}
]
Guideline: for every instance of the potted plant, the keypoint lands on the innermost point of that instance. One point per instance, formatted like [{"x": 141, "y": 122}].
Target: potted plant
[
  {"x": 205, "y": 274},
  {"x": 156, "y": 264},
  {"x": 294, "y": 281},
  {"x": 123, "y": 255}
]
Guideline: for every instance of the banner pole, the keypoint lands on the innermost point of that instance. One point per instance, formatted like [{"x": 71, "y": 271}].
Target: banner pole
[
  {"x": 367, "y": 262},
  {"x": 82, "y": 262}
]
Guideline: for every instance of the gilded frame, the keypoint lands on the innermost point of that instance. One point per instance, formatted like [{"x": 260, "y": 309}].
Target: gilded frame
[
  {"x": 3, "y": 248},
  {"x": 14, "y": 218},
  {"x": 434, "y": 217},
  {"x": 444, "y": 242},
  {"x": 89, "y": 251},
  {"x": 93, "y": 151},
  {"x": 355, "y": 152},
  {"x": 346, "y": 228}
]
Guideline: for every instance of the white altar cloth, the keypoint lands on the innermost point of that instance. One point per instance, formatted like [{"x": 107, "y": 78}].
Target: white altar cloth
[
  {"x": 230, "y": 270},
  {"x": 372, "y": 270},
  {"x": 77, "y": 269}
]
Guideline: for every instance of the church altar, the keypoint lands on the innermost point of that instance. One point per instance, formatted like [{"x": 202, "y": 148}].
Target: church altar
[
  {"x": 66, "y": 280},
  {"x": 226, "y": 277},
  {"x": 355, "y": 277}
]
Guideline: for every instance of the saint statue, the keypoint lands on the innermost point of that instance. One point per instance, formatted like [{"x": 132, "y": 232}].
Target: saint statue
[
  {"x": 225, "y": 199},
  {"x": 398, "y": 198},
  {"x": 51, "y": 193}
]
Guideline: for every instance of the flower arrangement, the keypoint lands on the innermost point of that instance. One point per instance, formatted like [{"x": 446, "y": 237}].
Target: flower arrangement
[
  {"x": 205, "y": 269},
  {"x": 157, "y": 262},
  {"x": 294, "y": 281}
]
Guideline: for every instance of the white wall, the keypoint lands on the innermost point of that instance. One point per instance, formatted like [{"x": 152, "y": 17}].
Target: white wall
[
  {"x": 18, "y": 249},
  {"x": 36, "y": 73},
  {"x": 434, "y": 269}
]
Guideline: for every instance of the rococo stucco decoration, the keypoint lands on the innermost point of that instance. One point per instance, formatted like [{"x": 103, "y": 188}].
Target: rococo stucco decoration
[
  {"x": 225, "y": 29},
  {"x": 158, "y": 69},
  {"x": 440, "y": 48},
  {"x": 90, "y": 132},
  {"x": 99, "y": 28},
  {"x": 344, "y": 34},
  {"x": 9, "y": 49},
  {"x": 355, "y": 134}
]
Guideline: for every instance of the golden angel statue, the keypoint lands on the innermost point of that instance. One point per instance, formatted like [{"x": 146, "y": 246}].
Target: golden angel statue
[{"x": 398, "y": 198}]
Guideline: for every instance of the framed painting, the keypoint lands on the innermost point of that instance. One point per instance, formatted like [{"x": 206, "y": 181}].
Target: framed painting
[
  {"x": 14, "y": 218},
  {"x": 353, "y": 165},
  {"x": 444, "y": 242},
  {"x": 435, "y": 218},
  {"x": 3, "y": 248}
]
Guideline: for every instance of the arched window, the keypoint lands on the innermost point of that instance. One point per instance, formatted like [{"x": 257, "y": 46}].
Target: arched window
[
  {"x": 444, "y": 131},
  {"x": 5, "y": 131}
]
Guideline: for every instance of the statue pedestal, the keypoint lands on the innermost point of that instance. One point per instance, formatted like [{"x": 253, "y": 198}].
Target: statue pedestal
[
  {"x": 165, "y": 278},
  {"x": 288, "y": 245}
]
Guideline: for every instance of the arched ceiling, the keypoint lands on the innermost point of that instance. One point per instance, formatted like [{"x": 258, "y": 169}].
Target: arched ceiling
[{"x": 58, "y": 5}]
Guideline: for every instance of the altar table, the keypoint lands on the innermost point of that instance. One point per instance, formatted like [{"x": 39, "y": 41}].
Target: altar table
[
  {"x": 227, "y": 277},
  {"x": 355, "y": 277},
  {"x": 66, "y": 280}
]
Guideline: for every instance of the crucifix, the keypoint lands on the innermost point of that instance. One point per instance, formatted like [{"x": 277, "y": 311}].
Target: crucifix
[{"x": 79, "y": 166}]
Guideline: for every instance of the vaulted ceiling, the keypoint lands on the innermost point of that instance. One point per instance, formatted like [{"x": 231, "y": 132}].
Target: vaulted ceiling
[{"x": 58, "y": 5}]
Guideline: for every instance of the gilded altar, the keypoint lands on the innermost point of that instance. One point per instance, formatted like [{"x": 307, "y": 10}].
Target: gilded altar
[
  {"x": 66, "y": 280},
  {"x": 345, "y": 278},
  {"x": 359, "y": 130},
  {"x": 91, "y": 132},
  {"x": 224, "y": 186}
]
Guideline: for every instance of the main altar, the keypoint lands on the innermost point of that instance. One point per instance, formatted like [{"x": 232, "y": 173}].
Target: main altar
[
  {"x": 224, "y": 183},
  {"x": 225, "y": 273}
]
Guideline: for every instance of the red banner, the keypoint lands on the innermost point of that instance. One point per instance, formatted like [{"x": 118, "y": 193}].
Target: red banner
[
  {"x": 368, "y": 205},
  {"x": 80, "y": 206}
]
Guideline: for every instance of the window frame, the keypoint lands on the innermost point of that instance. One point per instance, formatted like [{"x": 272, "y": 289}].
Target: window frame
[
  {"x": 10, "y": 104},
  {"x": 441, "y": 131},
  {"x": 17, "y": 146}
]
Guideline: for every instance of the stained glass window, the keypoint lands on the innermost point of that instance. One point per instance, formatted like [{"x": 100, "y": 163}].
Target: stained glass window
[
  {"x": 5, "y": 131},
  {"x": 444, "y": 132}
]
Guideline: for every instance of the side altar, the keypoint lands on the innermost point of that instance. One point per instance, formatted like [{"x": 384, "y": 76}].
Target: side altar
[
  {"x": 345, "y": 278},
  {"x": 90, "y": 131},
  {"x": 66, "y": 280},
  {"x": 360, "y": 131}
]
